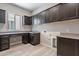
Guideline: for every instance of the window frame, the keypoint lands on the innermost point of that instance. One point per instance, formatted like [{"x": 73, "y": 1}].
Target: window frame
[{"x": 8, "y": 22}]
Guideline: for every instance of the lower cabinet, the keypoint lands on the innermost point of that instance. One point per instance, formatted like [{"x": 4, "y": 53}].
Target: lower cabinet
[
  {"x": 4, "y": 43},
  {"x": 67, "y": 46},
  {"x": 25, "y": 38},
  {"x": 34, "y": 38}
]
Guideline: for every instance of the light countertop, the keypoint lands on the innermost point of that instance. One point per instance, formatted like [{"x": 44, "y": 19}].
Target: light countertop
[{"x": 69, "y": 35}]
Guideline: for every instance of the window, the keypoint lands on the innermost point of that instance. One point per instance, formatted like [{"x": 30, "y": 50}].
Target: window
[
  {"x": 18, "y": 22},
  {"x": 11, "y": 22},
  {"x": 14, "y": 22}
]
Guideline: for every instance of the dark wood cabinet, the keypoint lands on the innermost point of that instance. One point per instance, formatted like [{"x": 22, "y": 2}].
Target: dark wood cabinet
[
  {"x": 60, "y": 12},
  {"x": 53, "y": 14},
  {"x": 35, "y": 20},
  {"x": 42, "y": 17},
  {"x": 30, "y": 20},
  {"x": 4, "y": 42},
  {"x": 34, "y": 38},
  {"x": 39, "y": 20},
  {"x": 27, "y": 20},
  {"x": 77, "y": 49},
  {"x": 77, "y": 10},
  {"x": 25, "y": 38},
  {"x": 2, "y": 16},
  {"x": 67, "y": 46},
  {"x": 47, "y": 16},
  {"x": 67, "y": 11}
]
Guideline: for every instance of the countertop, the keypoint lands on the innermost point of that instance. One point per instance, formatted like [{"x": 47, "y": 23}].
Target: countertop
[
  {"x": 15, "y": 32},
  {"x": 69, "y": 35}
]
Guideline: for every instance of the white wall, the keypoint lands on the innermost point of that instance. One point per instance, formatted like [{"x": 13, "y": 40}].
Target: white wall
[
  {"x": 13, "y": 10},
  {"x": 71, "y": 26}
]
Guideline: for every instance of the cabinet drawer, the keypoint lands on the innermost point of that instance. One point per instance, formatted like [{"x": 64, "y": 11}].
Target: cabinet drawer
[
  {"x": 4, "y": 47},
  {"x": 4, "y": 39}
]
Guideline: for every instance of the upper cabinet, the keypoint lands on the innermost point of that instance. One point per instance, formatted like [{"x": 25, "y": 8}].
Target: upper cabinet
[
  {"x": 47, "y": 16},
  {"x": 2, "y": 16},
  {"x": 77, "y": 10},
  {"x": 67, "y": 11},
  {"x": 53, "y": 14},
  {"x": 60, "y": 12},
  {"x": 27, "y": 20},
  {"x": 42, "y": 17},
  {"x": 39, "y": 19},
  {"x": 35, "y": 20}
]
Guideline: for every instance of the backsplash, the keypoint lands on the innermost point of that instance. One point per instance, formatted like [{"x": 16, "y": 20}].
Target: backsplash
[
  {"x": 3, "y": 28},
  {"x": 70, "y": 26}
]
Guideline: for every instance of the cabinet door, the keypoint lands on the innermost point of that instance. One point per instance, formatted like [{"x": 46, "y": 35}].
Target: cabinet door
[
  {"x": 4, "y": 47},
  {"x": 27, "y": 20},
  {"x": 77, "y": 10},
  {"x": 59, "y": 46},
  {"x": 4, "y": 43},
  {"x": 25, "y": 38},
  {"x": 34, "y": 38},
  {"x": 2, "y": 16},
  {"x": 66, "y": 46},
  {"x": 69, "y": 47},
  {"x": 4, "y": 39},
  {"x": 77, "y": 48},
  {"x": 30, "y": 20},
  {"x": 47, "y": 17},
  {"x": 31, "y": 38},
  {"x": 42, "y": 15},
  {"x": 67, "y": 11},
  {"x": 39, "y": 18},
  {"x": 39, "y": 21},
  {"x": 53, "y": 12},
  {"x": 35, "y": 20}
]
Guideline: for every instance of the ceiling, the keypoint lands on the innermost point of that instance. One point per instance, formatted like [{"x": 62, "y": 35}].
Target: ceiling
[{"x": 29, "y": 6}]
